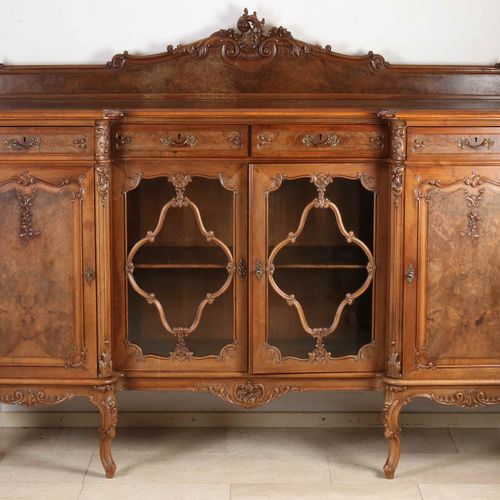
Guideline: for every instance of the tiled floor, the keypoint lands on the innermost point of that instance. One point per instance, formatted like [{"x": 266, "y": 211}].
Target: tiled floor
[{"x": 249, "y": 464}]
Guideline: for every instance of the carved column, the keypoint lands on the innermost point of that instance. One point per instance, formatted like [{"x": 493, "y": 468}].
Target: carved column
[
  {"x": 396, "y": 271},
  {"x": 103, "y": 238}
]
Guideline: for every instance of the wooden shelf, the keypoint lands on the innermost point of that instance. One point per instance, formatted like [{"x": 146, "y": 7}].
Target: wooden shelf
[{"x": 179, "y": 266}]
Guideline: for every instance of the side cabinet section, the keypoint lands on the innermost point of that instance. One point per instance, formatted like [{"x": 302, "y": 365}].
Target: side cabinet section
[
  {"x": 452, "y": 284},
  {"x": 47, "y": 271}
]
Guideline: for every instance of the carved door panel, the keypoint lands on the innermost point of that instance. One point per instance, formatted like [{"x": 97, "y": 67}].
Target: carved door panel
[
  {"x": 47, "y": 277},
  {"x": 452, "y": 258},
  {"x": 315, "y": 267},
  {"x": 183, "y": 304}
]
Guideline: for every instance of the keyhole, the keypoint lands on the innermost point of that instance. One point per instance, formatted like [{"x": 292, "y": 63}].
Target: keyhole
[{"x": 476, "y": 140}]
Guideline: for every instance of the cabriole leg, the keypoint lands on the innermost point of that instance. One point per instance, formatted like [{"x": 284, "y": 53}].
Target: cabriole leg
[
  {"x": 104, "y": 399},
  {"x": 395, "y": 399}
]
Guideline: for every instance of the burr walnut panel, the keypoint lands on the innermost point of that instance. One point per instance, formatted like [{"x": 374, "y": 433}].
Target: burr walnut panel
[
  {"x": 180, "y": 140},
  {"x": 312, "y": 141},
  {"x": 47, "y": 271},
  {"x": 46, "y": 140},
  {"x": 457, "y": 282}
]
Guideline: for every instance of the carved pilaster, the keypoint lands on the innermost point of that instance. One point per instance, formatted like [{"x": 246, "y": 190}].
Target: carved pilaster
[
  {"x": 397, "y": 157},
  {"x": 103, "y": 184}
]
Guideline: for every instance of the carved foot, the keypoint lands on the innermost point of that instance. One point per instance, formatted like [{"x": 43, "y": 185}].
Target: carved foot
[
  {"x": 104, "y": 399},
  {"x": 394, "y": 401}
]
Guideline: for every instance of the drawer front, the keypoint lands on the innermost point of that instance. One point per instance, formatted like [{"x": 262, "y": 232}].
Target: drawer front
[
  {"x": 180, "y": 140},
  {"x": 453, "y": 141},
  {"x": 329, "y": 140},
  {"x": 46, "y": 140}
]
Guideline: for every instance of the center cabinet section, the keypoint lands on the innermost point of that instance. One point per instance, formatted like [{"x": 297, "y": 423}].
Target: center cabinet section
[
  {"x": 182, "y": 300},
  {"x": 317, "y": 269}
]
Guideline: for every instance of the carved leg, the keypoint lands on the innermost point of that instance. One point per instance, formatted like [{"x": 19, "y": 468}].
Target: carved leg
[
  {"x": 394, "y": 401},
  {"x": 104, "y": 399}
]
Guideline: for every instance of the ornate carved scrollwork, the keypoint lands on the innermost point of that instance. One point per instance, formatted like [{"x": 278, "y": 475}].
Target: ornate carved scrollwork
[
  {"x": 235, "y": 139},
  {"x": 466, "y": 399},
  {"x": 102, "y": 139},
  {"x": 26, "y": 231},
  {"x": 102, "y": 173},
  {"x": 377, "y": 141},
  {"x": 106, "y": 361},
  {"x": 31, "y": 397},
  {"x": 180, "y": 182},
  {"x": 76, "y": 358},
  {"x": 248, "y": 394},
  {"x": 24, "y": 144},
  {"x": 393, "y": 362},
  {"x": 80, "y": 143},
  {"x": 264, "y": 140}
]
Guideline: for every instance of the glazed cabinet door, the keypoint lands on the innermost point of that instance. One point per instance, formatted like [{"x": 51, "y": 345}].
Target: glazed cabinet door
[
  {"x": 317, "y": 272},
  {"x": 181, "y": 247},
  {"x": 452, "y": 284},
  {"x": 47, "y": 277}
]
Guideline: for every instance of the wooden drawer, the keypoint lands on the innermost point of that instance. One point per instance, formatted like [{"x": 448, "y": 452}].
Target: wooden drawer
[
  {"x": 180, "y": 140},
  {"x": 453, "y": 141},
  {"x": 46, "y": 140},
  {"x": 319, "y": 140}
]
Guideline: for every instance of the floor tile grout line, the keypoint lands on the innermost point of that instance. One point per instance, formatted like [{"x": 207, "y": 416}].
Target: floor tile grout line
[{"x": 453, "y": 440}]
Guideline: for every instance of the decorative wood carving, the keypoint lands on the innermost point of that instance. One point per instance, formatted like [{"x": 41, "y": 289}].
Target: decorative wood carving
[
  {"x": 76, "y": 358},
  {"x": 80, "y": 143},
  {"x": 235, "y": 139},
  {"x": 24, "y": 144},
  {"x": 106, "y": 361},
  {"x": 31, "y": 397},
  {"x": 103, "y": 175},
  {"x": 249, "y": 394},
  {"x": 466, "y": 399}
]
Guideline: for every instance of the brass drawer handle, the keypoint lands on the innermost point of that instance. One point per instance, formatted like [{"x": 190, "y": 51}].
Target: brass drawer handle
[
  {"x": 259, "y": 269},
  {"x": 242, "y": 269},
  {"x": 181, "y": 141},
  {"x": 466, "y": 143},
  {"x": 25, "y": 144},
  {"x": 89, "y": 274},
  {"x": 122, "y": 140},
  {"x": 410, "y": 274},
  {"x": 321, "y": 140}
]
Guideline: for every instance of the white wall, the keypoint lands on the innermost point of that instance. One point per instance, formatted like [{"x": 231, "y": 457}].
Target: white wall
[{"x": 403, "y": 31}]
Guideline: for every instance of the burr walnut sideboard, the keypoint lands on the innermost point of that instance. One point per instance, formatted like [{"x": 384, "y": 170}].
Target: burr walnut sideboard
[{"x": 250, "y": 215}]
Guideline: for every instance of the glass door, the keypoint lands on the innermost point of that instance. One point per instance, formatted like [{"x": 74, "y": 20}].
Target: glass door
[
  {"x": 185, "y": 266},
  {"x": 315, "y": 263}
]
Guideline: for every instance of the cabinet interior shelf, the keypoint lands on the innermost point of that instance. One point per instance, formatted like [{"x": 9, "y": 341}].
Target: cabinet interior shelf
[{"x": 223, "y": 266}]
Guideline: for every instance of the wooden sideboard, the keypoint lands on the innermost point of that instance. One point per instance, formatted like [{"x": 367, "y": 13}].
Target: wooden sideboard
[{"x": 250, "y": 215}]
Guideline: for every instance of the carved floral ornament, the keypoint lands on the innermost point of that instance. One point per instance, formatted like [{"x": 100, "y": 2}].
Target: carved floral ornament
[{"x": 251, "y": 46}]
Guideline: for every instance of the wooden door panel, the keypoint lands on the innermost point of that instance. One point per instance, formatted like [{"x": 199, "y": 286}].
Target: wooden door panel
[
  {"x": 453, "y": 305},
  {"x": 318, "y": 271},
  {"x": 182, "y": 231},
  {"x": 48, "y": 309}
]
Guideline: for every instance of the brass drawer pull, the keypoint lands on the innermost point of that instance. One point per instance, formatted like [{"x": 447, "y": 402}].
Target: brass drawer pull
[
  {"x": 321, "y": 140},
  {"x": 25, "y": 144},
  {"x": 242, "y": 269},
  {"x": 410, "y": 274},
  {"x": 89, "y": 274},
  {"x": 122, "y": 140},
  {"x": 466, "y": 143},
  {"x": 259, "y": 269},
  {"x": 181, "y": 141}
]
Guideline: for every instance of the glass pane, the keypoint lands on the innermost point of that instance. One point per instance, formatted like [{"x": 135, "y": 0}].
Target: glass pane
[
  {"x": 186, "y": 259},
  {"x": 180, "y": 291},
  {"x": 318, "y": 267}
]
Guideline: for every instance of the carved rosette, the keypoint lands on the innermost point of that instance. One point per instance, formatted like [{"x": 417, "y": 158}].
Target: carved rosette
[{"x": 248, "y": 394}]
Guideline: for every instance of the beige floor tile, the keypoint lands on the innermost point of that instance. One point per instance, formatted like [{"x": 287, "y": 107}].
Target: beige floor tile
[
  {"x": 41, "y": 491},
  {"x": 188, "y": 467},
  {"x": 76, "y": 440},
  {"x": 279, "y": 440},
  {"x": 460, "y": 491},
  {"x": 114, "y": 491},
  {"x": 418, "y": 467},
  {"x": 477, "y": 440},
  {"x": 20, "y": 438},
  {"x": 391, "y": 491},
  {"x": 372, "y": 441},
  {"x": 170, "y": 440},
  {"x": 43, "y": 467}
]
